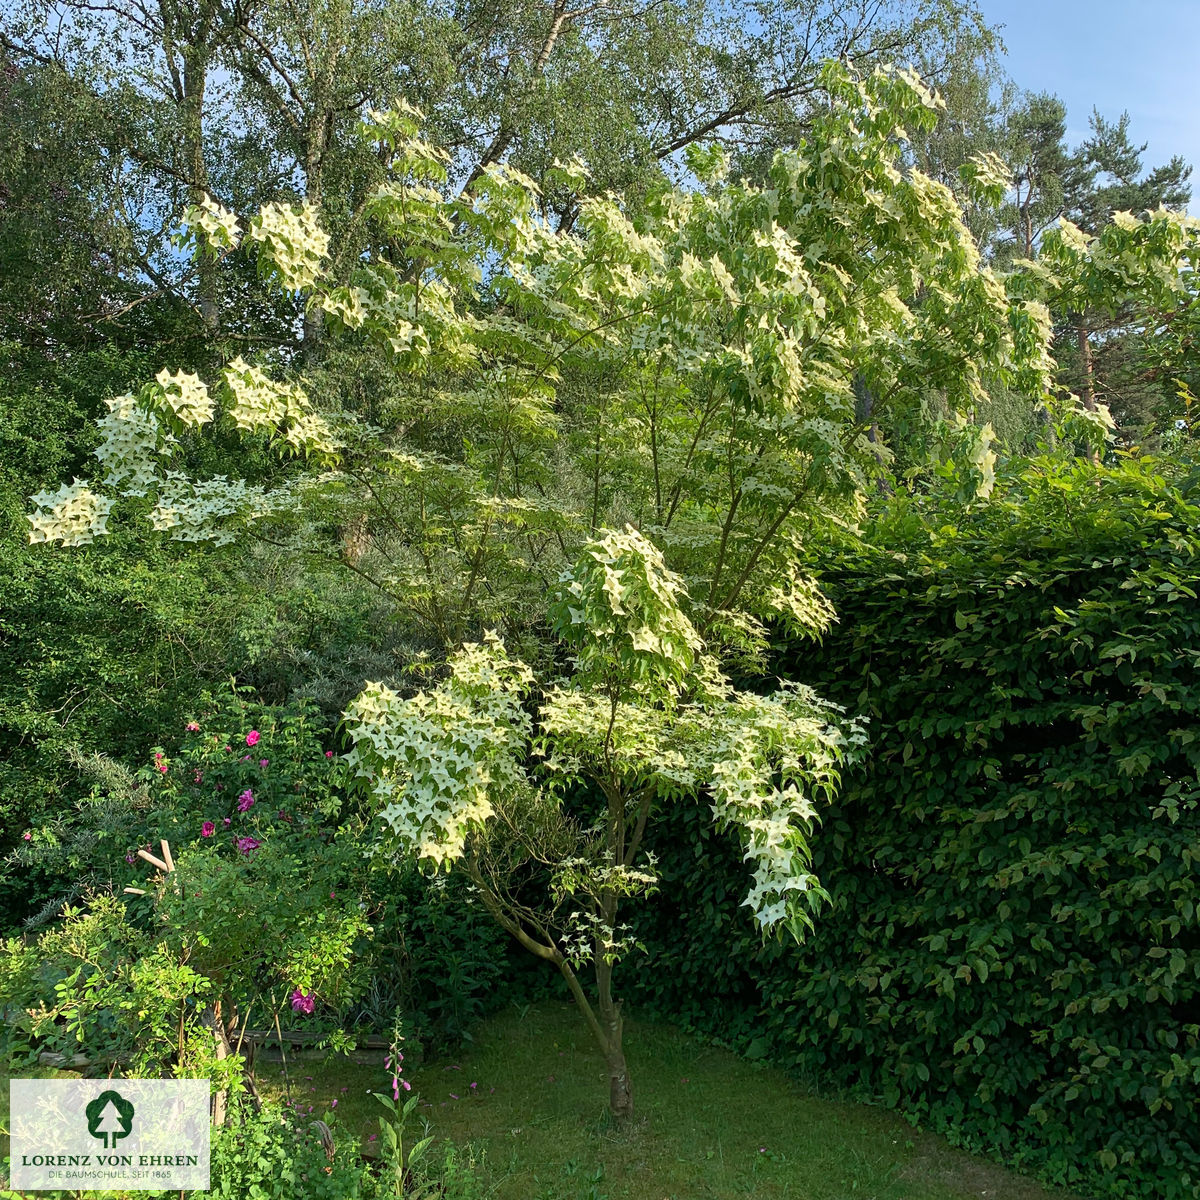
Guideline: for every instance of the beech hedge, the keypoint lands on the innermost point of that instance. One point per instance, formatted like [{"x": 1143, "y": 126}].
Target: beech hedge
[{"x": 1012, "y": 953}]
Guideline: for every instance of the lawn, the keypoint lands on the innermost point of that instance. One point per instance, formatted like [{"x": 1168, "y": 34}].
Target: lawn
[{"x": 530, "y": 1095}]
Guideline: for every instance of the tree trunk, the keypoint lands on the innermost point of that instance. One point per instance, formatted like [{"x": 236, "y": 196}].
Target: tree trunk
[
  {"x": 620, "y": 1089},
  {"x": 314, "y": 168},
  {"x": 1087, "y": 392},
  {"x": 612, "y": 1027},
  {"x": 603, "y": 1019},
  {"x": 196, "y": 59},
  {"x": 1087, "y": 389}
]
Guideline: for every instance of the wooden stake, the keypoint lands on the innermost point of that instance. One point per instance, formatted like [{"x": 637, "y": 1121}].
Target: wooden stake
[{"x": 154, "y": 862}]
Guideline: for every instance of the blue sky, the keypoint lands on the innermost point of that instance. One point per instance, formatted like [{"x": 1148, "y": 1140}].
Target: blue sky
[{"x": 1114, "y": 55}]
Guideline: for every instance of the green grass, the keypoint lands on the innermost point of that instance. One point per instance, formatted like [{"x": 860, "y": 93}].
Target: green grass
[{"x": 708, "y": 1125}]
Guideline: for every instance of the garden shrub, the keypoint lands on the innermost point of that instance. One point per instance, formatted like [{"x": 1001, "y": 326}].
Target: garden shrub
[
  {"x": 1011, "y": 954},
  {"x": 283, "y": 899},
  {"x": 263, "y": 909},
  {"x": 438, "y": 959}
]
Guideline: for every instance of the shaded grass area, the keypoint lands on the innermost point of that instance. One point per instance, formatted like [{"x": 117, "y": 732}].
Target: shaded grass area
[{"x": 530, "y": 1094}]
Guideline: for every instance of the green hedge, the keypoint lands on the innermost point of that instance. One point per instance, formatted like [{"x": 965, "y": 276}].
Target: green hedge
[{"x": 1012, "y": 954}]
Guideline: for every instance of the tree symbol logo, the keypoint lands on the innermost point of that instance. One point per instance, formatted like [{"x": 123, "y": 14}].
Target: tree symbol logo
[{"x": 109, "y": 1117}]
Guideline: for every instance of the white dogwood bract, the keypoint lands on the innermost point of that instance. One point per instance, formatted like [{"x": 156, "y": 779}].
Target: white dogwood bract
[
  {"x": 212, "y": 225},
  {"x": 185, "y": 396},
  {"x": 213, "y": 510},
  {"x": 291, "y": 243},
  {"x": 74, "y": 515},
  {"x": 438, "y": 761},
  {"x": 132, "y": 439}
]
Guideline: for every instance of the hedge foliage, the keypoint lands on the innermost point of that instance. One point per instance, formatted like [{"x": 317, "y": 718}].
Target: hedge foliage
[{"x": 1012, "y": 952}]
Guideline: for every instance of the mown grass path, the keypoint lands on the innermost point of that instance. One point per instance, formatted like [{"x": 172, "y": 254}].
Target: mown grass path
[{"x": 530, "y": 1093}]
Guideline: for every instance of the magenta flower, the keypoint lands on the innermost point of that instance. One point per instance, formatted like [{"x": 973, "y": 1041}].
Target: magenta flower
[
  {"x": 27, "y": 836},
  {"x": 252, "y": 737},
  {"x": 228, "y": 747},
  {"x": 192, "y": 727},
  {"x": 227, "y": 820},
  {"x": 328, "y": 753},
  {"x": 245, "y": 801},
  {"x": 302, "y": 1002},
  {"x": 207, "y": 829},
  {"x": 247, "y": 844},
  {"x": 262, "y": 762},
  {"x": 199, "y": 777},
  {"x": 129, "y": 858}
]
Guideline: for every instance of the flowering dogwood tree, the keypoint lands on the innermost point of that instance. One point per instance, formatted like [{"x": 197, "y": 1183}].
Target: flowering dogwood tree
[
  {"x": 644, "y": 419},
  {"x": 693, "y": 373},
  {"x": 467, "y": 776}
]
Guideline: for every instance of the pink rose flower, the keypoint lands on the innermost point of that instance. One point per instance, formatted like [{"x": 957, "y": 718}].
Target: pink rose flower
[
  {"x": 247, "y": 845},
  {"x": 192, "y": 727},
  {"x": 328, "y": 753},
  {"x": 207, "y": 829},
  {"x": 246, "y": 801},
  {"x": 227, "y": 820},
  {"x": 302, "y": 1002},
  {"x": 27, "y": 836},
  {"x": 252, "y": 737},
  {"x": 262, "y": 762}
]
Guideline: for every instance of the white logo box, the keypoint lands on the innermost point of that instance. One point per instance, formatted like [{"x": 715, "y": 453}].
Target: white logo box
[{"x": 82, "y": 1134}]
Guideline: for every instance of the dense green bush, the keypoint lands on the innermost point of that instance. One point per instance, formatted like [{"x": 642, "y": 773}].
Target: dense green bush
[
  {"x": 283, "y": 893},
  {"x": 439, "y": 960},
  {"x": 1012, "y": 952}
]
